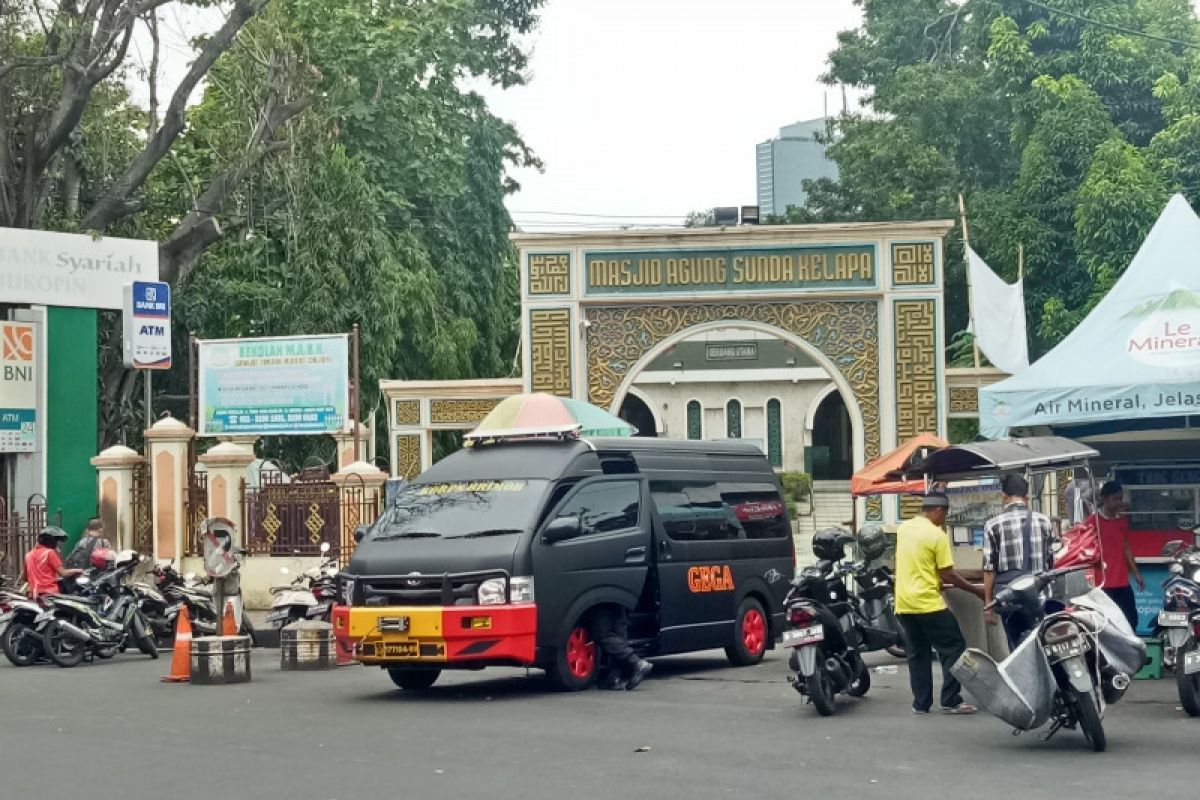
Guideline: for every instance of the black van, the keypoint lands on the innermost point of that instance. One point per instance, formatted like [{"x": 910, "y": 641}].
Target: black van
[{"x": 499, "y": 554}]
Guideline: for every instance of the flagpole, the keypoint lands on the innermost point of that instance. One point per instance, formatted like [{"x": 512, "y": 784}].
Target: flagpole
[
  {"x": 962, "y": 211},
  {"x": 1021, "y": 264}
]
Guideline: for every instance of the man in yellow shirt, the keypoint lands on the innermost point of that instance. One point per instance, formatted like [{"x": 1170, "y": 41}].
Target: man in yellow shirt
[{"x": 923, "y": 564}]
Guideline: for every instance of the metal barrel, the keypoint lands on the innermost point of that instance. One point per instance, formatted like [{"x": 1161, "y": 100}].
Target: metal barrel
[
  {"x": 307, "y": 645},
  {"x": 220, "y": 660}
]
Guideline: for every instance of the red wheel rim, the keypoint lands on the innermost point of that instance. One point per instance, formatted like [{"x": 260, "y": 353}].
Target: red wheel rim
[
  {"x": 754, "y": 632},
  {"x": 581, "y": 654}
]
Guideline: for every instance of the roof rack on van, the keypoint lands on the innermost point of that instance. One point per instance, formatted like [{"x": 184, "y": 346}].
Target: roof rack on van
[{"x": 551, "y": 433}]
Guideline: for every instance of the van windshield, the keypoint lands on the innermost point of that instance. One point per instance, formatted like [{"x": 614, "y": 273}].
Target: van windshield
[{"x": 467, "y": 510}]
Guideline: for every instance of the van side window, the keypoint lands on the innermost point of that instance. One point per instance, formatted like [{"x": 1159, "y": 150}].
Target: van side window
[
  {"x": 605, "y": 507},
  {"x": 693, "y": 511},
  {"x": 758, "y": 507}
]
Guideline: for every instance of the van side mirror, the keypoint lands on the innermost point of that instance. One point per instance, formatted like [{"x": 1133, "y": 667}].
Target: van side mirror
[
  {"x": 562, "y": 529},
  {"x": 360, "y": 533}
]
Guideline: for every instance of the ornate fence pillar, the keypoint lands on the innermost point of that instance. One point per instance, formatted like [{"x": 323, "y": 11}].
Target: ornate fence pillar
[
  {"x": 345, "y": 445},
  {"x": 361, "y": 487},
  {"x": 114, "y": 488},
  {"x": 167, "y": 450},
  {"x": 226, "y": 466}
]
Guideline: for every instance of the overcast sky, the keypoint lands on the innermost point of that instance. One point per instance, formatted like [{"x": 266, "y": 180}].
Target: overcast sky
[{"x": 653, "y": 107}]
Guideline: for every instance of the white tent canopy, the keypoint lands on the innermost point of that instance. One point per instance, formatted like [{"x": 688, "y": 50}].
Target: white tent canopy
[{"x": 1136, "y": 356}]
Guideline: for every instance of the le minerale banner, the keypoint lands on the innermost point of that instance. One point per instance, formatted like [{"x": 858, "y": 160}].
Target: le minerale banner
[{"x": 285, "y": 386}]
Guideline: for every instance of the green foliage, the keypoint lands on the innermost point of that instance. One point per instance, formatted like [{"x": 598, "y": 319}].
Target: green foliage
[
  {"x": 797, "y": 486},
  {"x": 1066, "y": 137},
  {"x": 963, "y": 430}
]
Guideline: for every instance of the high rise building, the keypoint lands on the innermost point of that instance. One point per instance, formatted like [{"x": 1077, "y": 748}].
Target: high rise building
[{"x": 785, "y": 162}]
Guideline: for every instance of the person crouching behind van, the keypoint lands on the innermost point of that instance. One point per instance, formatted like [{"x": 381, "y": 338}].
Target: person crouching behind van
[
  {"x": 610, "y": 630},
  {"x": 923, "y": 563}
]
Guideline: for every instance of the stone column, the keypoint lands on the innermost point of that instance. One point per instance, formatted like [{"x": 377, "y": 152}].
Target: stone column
[
  {"x": 167, "y": 450},
  {"x": 226, "y": 465},
  {"x": 361, "y": 487},
  {"x": 114, "y": 488},
  {"x": 345, "y": 445}
]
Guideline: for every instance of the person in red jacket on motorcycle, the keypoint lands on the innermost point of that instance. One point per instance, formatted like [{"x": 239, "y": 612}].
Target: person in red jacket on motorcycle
[{"x": 43, "y": 565}]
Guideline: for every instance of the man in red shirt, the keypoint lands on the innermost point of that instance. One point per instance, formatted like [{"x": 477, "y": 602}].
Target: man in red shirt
[
  {"x": 43, "y": 566},
  {"x": 1116, "y": 552}
]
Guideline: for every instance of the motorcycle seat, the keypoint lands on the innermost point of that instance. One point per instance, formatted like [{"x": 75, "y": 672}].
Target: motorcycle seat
[{"x": 90, "y": 600}]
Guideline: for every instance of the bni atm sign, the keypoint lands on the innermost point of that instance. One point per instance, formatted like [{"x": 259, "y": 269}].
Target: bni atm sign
[
  {"x": 18, "y": 387},
  {"x": 148, "y": 325}
]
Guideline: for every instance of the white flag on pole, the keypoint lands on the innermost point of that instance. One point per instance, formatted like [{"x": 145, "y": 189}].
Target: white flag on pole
[{"x": 999, "y": 316}]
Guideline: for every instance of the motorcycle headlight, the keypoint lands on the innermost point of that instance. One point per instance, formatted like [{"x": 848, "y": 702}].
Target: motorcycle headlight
[{"x": 491, "y": 591}]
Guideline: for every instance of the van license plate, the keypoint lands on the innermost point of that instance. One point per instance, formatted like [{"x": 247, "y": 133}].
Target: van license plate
[
  {"x": 400, "y": 649},
  {"x": 1173, "y": 619},
  {"x": 1191, "y": 662},
  {"x": 803, "y": 636}
]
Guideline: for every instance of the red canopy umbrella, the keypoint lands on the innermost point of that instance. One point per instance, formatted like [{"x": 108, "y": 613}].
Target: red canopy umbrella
[{"x": 873, "y": 478}]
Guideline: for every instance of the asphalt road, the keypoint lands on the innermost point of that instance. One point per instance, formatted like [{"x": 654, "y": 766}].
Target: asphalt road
[{"x": 112, "y": 730}]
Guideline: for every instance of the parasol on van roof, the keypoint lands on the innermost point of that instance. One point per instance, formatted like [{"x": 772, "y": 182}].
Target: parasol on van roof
[{"x": 541, "y": 414}]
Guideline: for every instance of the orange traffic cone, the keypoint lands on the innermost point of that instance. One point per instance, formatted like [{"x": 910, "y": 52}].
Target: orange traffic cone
[
  {"x": 181, "y": 656},
  {"x": 228, "y": 625}
]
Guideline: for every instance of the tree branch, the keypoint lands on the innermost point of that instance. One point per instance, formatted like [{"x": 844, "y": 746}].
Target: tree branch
[
  {"x": 31, "y": 62},
  {"x": 199, "y": 230},
  {"x": 114, "y": 205}
]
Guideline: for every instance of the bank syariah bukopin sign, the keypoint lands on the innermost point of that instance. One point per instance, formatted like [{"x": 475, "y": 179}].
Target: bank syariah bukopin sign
[
  {"x": 1136, "y": 356},
  {"x": 279, "y": 386},
  {"x": 18, "y": 387},
  {"x": 71, "y": 269},
  {"x": 147, "y": 325}
]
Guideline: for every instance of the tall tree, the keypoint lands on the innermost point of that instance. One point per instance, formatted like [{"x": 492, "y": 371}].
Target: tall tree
[{"x": 1066, "y": 131}]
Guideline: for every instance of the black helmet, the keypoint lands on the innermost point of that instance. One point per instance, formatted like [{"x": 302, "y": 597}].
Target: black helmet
[
  {"x": 872, "y": 542},
  {"x": 830, "y": 544},
  {"x": 51, "y": 536}
]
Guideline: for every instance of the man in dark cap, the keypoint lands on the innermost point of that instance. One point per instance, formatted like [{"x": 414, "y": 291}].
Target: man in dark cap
[
  {"x": 924, "y": 563},
  {"x": 1015, "y": 542}
]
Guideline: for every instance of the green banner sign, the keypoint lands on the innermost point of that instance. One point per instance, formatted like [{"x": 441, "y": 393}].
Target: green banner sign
[{"x": 730, "y": 270}]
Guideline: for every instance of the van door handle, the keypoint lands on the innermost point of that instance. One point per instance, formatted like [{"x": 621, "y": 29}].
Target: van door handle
[
  {"x": 664, "y": 548},
  {"x": 635, "y": 554}
]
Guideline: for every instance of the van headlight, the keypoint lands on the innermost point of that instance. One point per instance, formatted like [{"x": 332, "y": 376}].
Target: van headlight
[{"x": 491, "y": 591}]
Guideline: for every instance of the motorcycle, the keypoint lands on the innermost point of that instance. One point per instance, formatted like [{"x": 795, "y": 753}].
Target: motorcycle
[
  {"x": 20, "y": 634},
  {"x": 875, "y": 596},
  {"x": 98, "y": 623},
  {"x": 824, "y": 633},
  {"x": 196, "y": 594},
  {"x": 1179, "y": 622},
  {"x": 1078, "y": 658},
  {"x": 310, "y": 595}
]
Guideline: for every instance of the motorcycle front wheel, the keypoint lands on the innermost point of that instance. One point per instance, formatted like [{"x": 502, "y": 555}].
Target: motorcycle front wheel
[
  {"x": 60, "y": 647},
  {"x": 20, "y": 645},
  {"x": 820, "y": 688},
  {"x": 1089, "y": 721}
]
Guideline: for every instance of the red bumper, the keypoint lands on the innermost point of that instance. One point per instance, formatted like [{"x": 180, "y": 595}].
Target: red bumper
[{"x": 438, "y": 634}]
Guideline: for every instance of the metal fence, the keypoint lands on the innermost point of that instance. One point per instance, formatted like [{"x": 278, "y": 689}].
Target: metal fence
[
  {"x": 288, "y": 517},
  {"x": 359, "y": 507},
  {"x": 18, "y": 533},
  {"x": 195, "y": 511}
]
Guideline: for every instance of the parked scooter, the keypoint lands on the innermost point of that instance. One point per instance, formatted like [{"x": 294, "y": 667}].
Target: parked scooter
[
  {"x": 824, "y": 632},
  {"x": 310, "y": 595},
  {"x": 1078, "y": 659},
  {"x": 1179, "y": 622},
  {"x": 98, "y": 623},
  {"x": 875, "y": 588},
  {"x": 20, "y": 634}
]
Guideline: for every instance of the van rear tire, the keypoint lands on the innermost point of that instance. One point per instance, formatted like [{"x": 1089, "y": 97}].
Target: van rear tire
[
  {"x": 750, "y": 634},
  {"x": 576, "y": 660}
]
